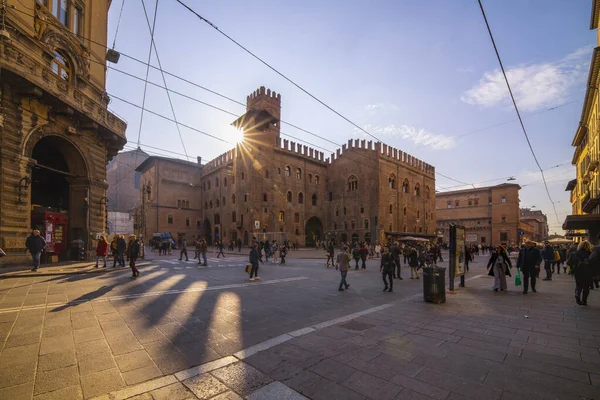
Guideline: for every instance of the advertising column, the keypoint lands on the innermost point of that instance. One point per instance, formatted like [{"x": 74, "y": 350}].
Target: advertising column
[{"x": 456, "y": 265}]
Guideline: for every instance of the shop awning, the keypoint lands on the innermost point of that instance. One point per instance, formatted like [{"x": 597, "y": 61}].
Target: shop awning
[{"x": 585, "y": 221}]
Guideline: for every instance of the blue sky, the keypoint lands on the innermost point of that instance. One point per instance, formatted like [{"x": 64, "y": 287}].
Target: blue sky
[{"x": 420, "y": 75}]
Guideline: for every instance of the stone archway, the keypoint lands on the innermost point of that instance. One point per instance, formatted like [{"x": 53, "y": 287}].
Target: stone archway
[
  {"x": 60, "y": 192},
  {"x": 313, "y": 231}
]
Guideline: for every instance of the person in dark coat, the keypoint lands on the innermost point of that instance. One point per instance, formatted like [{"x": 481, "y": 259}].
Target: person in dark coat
[
  {"x": 363, "y": 252},
  {"x": 254, "y": 262},
  {"x": 356, "y": 256},
  {"x": 499, "y": 266},
  {"x": 386, "y": 269},
  {"x": 121, "y": 247},
  {"x": 133, "y": 251},
  {"x": 330, "y": 253},
  {"x": 595, "y": 264},
  {"x": 548, "y": 254},
  {"x": 35, "y": 244},
  {"x": 529, "y": 261},
  {"x": 580, "y": 267},
  {"x": 395, "y": 252},
  {"x": 413, "y": 261}
]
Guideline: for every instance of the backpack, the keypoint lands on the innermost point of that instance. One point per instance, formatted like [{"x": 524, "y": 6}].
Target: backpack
[{"x": 556, "y": 255}]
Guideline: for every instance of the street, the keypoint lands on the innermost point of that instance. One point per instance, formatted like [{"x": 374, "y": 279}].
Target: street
[{"x": 86, "y": 335}]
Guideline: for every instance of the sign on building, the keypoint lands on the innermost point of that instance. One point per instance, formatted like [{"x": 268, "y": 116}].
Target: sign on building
[
  {"x": 471, "y": 238},
  {"x": 256, "y": 224}
]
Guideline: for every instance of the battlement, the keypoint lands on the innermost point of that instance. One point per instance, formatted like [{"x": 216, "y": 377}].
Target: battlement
[
  {"x": 383, "y": 151},
  {"x": 262, "y": 93},
  {"x": 220, "y": 161},
  {"x": 300, "y": 150}
]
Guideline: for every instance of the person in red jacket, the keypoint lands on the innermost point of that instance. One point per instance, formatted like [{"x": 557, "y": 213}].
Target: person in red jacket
[{"x": 101, "y": 250}]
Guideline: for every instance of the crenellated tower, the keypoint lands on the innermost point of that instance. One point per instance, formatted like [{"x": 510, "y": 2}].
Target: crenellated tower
[{"x": 260, "y": 122}]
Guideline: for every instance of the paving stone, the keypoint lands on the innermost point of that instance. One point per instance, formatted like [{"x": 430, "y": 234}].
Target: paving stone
[
  {"x": 530, "y": 389},
  {"x": 205, "y": 386},
  {"x": 20, "y": 392},
  {"x": 172, "y": 363},
  {"x": 125, "y": 346},
  {"x": 96, "y": 362},
  {"x": 56, "y": 360},
  {"x": 418, "y": 386},
  {"x": 275, "y": 391},
  {"x": 560, "y": 383},
  {"x": 228, "y": 395},
  {"x": 17, "y": 374},
  {"x": 68, "y": 393},
  {"x": 407, "y": 394},
  {"x": 87, "y": 334},
  {"x": 57, "y": 330},
  {"x": 549, "y": 369},
  {"x": 241, "y": 377},
  {"x": 160, "y": 348},
  {"x": 303, "y": 380},
  {"x": 332, "y": 370},
  {"x": 325, "y": 389},
  {"x": 176, "y": 391},
  {"x": 55, "y": 379},
  {"x": 22, "y": 339},
  {"x": 101, "y": 382},
  {"x": 371, "y": 386},
  {"x": 57, "y": 344},
  {"x": 19, "y": 355},
  {"x": 459, "y": 385},
  {"x": 141, "y": 374},
  {"x": 134, "y": 360},
  {"x": 85, "y": 349}
]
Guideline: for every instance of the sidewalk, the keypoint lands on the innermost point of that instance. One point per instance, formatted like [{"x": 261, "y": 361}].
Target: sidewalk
[{"x": 478, "y": 345}]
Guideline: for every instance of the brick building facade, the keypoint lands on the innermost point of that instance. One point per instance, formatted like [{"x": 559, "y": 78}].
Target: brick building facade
[
  {"x": 56, "y": 134},
  {"x": 169, "y": 198},
  {"x": 273, "y": 188},
  {"x": 534, "y": 225},
  {"x": 490, "y": 214}
]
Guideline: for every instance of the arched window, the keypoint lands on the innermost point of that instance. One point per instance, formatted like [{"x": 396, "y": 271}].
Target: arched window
[
  {"x": 206, "y": 205},
  {"x": 278, "y": 171},
  {"x": 405, "y": 187},
  {"x": 392, "y": 181},
  {"x": 404, "y": 210},
  {"x": 289, "y": 197},
  {"x": 337, "y": 212},
  {"x": 208, "y": 185},
  {"x": 187, "y": 204},
  {"x": 300, "y": 198},
  {"x": 449, "y": 204},
  {"x": 503, "y": 199},
  {"x": 470, "y": 202},
  {"x": 265, "y": 197},
  {"x": 404, "y": 228},
  {"x": 187, "y": 222},
  {"x": 298, "y": 173},
  {"x": 344, "y": 210},
  {"x": 243, "y": 175},
  {"x": 353, "y": 226},
  {"x": 210, "y": 205},
  {"x": 414, "y": 228},
  {"x": 178, "y": 203},
  {"x": 217, "y": 219},
  {"x": 217, "y": 181},
  {"x": 418, "y": 214},
  {"x": 233, "y": 217},
  {"x": 317, "y": 179},
  {"x": 352, "y": 183},
  {"x": 288, "y": 171},
  {"x": 233, "y": 198},
  {"x": 345, "y": 226},
  {"x": 281, "y": 216},
  {"x": 217, "y": 203},
  {"x": 314, "y": 199},
  {"x": 61, "y": 66},
  {"x": 391, "y": 209},
  {"x": 169, "y": 219},
  {"x": 309, "y": 178},
  {"x": 427, "y": 193},
  {"x": 225, "y": 181},
  {"x": 223, "y": 201},
  {"x": 198, "y": 223},
  {"x": 366, "y": 224},
  {"x": 417, "y": 189}
]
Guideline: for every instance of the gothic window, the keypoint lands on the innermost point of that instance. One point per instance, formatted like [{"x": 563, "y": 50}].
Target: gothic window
[
  {"x": 503, "y": 199},
  {"x": 337, "y": 212},
  {"x": 457, "y": 203},
  {"x": 223, "y": 202},
  {"x": 61, "y": 66},
  {"x": 245, "y": 198},
  {"x": 297, "y": 218},
  {"x": 418, "y": 214},
  {"x": 352, "y": 183},
  {"x": 210, "y": 205},
  {"x": 405, "y": 186},
  {"x": 298, "y": 173},
  {"x": 317, "y": 179},
  {"x": 217, "y": 203},
  {"x": 288, "y": 171},
  {"x": 289, "y": 197},
  {"x": 208, "y": 185},
  {"x": 281, "y": 216},
  {"x": 314, "y": 199},
  {"x": 278, "y": 171},
  {"x": 225, "y": 181},
  {"x": 417, "y": 189},
  {"x": 233, "y": 217},
  {"x": 243, "y": 176},
  {"x": 392, "y": 181},
  {"x": 404, "y": 229},
  {"x": 344, "y": 210},
  {"x": 490, "y": 200},
  {"x": 309, "y": 178},
  {"x": 206, "y": 205},
  {"x": 217, "y": 219},
  {"x": 391, "y": 209},
  {"x": 170, "y": 219},
  {"x": 404, "y": 210},
  {"x": 476, "y": 202},
  {"x": 504, "y": 219},
  {"x": 217, "y": 182},
  {"x": 352, "y": 223},
  {"x": 187, "y": 222},
  {"x": 449, "y": 204},
  {"x": 427, "y": 193},
  {"x": 77, "y": 20},
  {"x": 198, "y": 223},
  {"x": 366, "y": 224},
  {"x": 233, "y": 198},
  {"x": 265, "y": 197},
  {"x": 300, "y": 198}
]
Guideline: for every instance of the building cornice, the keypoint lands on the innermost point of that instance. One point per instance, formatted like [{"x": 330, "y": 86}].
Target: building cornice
[
  {"x": 590, "y": 91},
  {"x": 595, "y": 17}
]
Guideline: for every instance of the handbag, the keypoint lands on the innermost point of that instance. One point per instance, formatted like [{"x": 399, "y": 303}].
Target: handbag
[
  {"x": 248, "y": 268},
  {"x": 518, "y": 278}
]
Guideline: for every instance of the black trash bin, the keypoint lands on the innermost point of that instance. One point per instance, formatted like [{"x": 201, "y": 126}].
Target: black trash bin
[
  {"x": 434, "y": 284},
  {"x": 77, "y": 250}
]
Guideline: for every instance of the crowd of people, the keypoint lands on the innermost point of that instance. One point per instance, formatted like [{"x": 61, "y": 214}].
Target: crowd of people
[{"x": 119, "y": 249}]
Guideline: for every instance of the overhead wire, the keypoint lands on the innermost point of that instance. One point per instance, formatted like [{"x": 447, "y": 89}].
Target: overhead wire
[
  {"x": 118, "y": 24},
  {"x": 515, "y": 105}
]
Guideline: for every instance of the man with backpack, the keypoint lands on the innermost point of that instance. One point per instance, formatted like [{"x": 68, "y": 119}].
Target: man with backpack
[{"x": 529, "y": 263}]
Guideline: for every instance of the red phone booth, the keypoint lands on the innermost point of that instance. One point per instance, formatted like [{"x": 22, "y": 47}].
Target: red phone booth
[{"x": 53, "y": 227}]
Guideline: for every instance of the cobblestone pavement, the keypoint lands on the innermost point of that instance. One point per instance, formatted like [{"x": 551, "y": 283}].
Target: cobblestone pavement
[{"x": 183, "y": 332}]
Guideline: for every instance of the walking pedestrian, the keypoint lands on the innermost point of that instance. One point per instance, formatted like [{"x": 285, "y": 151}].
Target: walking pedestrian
[
  {"x": 183, "y": 249},
  {"x": 343, "y": 264},
  {"x": 203, "y": 249},
  {"x": 254, "y": 262},
  {"x": 377, "y": 250},
  {"x": 101, "y": 250},
  {"x": 594, "y": 261},
  {"x": 356, "y": 256},
  {"x": 363, "y": 252},
  {"x": 239, "y": 245},
  {"x": 35, "y": 244},
  {"x": 386, "y": 269},
  {"x": 529, "y": 262},
  {"x": 548, "y": 255},
  {"x": 121, "y": 247},
  {"x": 220, "y": 246},
  {"x": 499, "y": 266},
  {"x": 283, "y": 253},
  {"x": 133, "y": 251},
  {"x": 114, "y": 250},
  {"x": 580, "y": 267},
  {"x": 395, "y": 252},
  {"x": 413, "y": 262},
  {"x": 406, "y": 253},
  {"x": 330, "y": 251}
]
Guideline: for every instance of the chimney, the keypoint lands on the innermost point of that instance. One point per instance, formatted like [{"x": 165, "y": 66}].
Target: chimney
[{"x": 199, "y": 160}]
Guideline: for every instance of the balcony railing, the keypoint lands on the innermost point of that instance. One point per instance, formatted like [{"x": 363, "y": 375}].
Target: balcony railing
[{"x": 589, "y": 203}]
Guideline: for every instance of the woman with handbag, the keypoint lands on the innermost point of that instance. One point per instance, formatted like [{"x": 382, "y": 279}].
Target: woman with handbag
[
  {"x": 499, "y": 266},
  {"x": 101, "y": 250}
]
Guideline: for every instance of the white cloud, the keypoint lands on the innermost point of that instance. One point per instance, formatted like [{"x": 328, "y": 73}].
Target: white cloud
[
  {"x": 418, "y": 136},
  {"x": 534, "y": 86}
]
